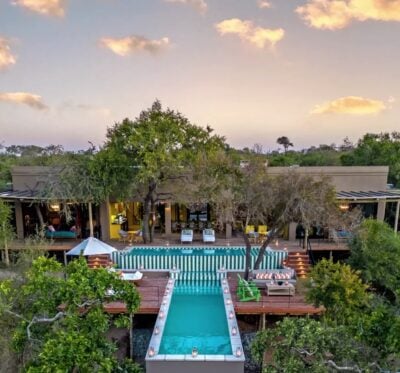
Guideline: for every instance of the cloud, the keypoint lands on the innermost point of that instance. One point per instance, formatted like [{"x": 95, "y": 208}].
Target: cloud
[
  {"x": 55, "y": 8},
  {"x": 6, "y": 57},
  {"x": 199, "y": 5},
  {"x": 34, "y": 101},
  {"x": 247, "y": 31},
  {"x": 338, "y": 14},
  {"x": 263, "y": 4},
  {"x": 89, "y": 109},
  {"x": 131, "y": 44},
  {"x": 350, "y": 105}
]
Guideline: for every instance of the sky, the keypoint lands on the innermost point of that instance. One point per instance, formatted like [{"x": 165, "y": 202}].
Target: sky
[{"x": 315, "y": 71}]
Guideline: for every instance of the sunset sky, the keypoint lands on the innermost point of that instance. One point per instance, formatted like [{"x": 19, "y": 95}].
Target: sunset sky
[{"x": 315, "y": 71}]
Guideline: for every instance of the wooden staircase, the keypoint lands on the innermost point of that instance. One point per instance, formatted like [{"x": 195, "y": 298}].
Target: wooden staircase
[{"x": 299, "y": 261}]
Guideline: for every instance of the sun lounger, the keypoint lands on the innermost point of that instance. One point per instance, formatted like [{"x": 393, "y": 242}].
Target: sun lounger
[
  {"x": 208, "y": 235},
  {"x": 186, "y": 235}
]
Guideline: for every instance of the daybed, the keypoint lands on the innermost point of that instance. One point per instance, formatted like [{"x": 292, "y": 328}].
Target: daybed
[
  {"x": 261, "y": 276},
  {"x": 60, "y": 234}
]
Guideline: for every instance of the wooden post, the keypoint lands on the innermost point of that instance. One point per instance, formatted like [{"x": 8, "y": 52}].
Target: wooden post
[
  {"x": 90, "y": 219},
  {"x": 396, "y": 219},
  {"x": 262, "y": 321}
]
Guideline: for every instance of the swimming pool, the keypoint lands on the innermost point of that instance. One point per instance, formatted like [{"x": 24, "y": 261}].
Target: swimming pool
[
  {"x": 192, "y": 259},
  {"x": 196, "y": 331},
  {"x": 196, "y": 319}
]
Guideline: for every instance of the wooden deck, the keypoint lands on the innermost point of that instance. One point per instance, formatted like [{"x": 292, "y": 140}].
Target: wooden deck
[
  {"x": 174, "y": 240},
  {"x": 294, "y": 305},
  {"x": 152, "y": 289}
]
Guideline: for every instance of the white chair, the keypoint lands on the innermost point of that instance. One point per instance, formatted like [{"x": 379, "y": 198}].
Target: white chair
[
  {"x": 123, "y": 235},
  {"x": 186, "y": 235},
  {"x": 208, "y": 235}
]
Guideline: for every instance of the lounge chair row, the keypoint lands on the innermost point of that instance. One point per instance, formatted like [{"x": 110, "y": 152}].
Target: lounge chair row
[{"x": 208, "y": 235}]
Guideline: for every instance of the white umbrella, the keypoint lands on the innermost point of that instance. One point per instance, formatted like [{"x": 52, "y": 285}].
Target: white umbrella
[{"x": 91, "y": 246}]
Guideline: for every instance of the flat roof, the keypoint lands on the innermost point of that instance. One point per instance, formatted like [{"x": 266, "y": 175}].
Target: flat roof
[{"x": 392, "y": 194}]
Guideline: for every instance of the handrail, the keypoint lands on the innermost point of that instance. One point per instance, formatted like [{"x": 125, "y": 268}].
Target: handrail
[{"x": 310, "y": 253}]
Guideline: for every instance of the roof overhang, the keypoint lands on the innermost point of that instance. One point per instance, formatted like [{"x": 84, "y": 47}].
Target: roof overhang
[
  {"x": 363, "y": 196},
  {"x": 24, "y": 195}
]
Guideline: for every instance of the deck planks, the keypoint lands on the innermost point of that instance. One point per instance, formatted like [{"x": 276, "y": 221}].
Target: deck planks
[{"x": 151, "y": 290}]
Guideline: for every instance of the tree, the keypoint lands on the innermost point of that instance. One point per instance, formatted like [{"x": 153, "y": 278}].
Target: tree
[
  {"x": 59, "y": 323},
  {"x": 377, "y": 150},
  {"x": 306, "y": 345},
  {"x": 285, "y": 142},
  {"x": 6, "y": 230},
  {"x": 151, "y": 158},
  {"x": 250, "y": 194},
  {"x": 375, "y": 251},
  {"x": 338, "y": 288}
]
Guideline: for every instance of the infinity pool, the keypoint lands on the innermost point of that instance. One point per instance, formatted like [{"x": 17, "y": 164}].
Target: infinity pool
[{"x": 197, "y": 319}]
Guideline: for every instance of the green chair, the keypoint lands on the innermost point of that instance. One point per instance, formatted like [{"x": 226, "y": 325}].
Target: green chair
[{"x": 247, "y": 291}]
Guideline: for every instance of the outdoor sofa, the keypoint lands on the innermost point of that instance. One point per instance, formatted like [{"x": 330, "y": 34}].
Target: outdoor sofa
[
  {"x": 261, "y": 276},
  {"x": 60, "y": 234}
]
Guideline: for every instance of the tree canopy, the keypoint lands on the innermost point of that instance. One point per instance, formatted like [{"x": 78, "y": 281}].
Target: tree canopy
[
  {"x": 57, "y": 320},
  {"x": 375, "y": 251},
  {"x": 151, "y": 157}
]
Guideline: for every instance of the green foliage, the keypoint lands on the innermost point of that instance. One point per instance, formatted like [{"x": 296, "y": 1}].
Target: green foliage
[
  {"x": 377, "y": 150},
  {"x": 152, "y": 157},
  {"x": 338, "y": 288},
  {"x": 6, "y": 229},
  {"x": 379, "y": 327},
  {"x": 306, "y": 345},
  {"x": 375, "y": 251},
  {"x": 57, "y": 319}
]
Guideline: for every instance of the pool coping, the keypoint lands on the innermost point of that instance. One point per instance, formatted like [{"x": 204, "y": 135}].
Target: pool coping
[{"x": 233, "y": 329}]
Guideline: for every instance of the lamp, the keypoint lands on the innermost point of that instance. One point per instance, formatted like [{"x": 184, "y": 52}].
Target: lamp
[
  {"x": 234, "y": 330},
  {"x": 344, "y": 206},
  {"x": 156, "y": 330},
  {"x": 238, "y": 352},
  {"x": 152, "y": 352},
  {"x": 195, "y": 352},
  {"x": 55, "y": 207}
]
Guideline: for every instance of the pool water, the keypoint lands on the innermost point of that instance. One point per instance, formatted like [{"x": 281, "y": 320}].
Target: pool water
[{"x": 196, "y": 318}]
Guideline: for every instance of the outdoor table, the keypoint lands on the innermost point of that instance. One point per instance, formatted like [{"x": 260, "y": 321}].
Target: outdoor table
[{"x": 276, "y": 289}]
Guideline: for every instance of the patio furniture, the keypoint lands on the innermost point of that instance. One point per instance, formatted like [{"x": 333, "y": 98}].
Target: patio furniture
[
  {"x": 186, "y": 235},
  {"x": 339, "y": 236},
  {"x": 262, "y": 232},
  {"x": 262, "y": 276},
  {"x": 208, "y": 235},
  {"x": 247, "y": 291},
  {"x": 135, "y": 236},
  {"x": 283, "y": 289},
  {"x": 123, "y": 235},
  {"x": 135, "y": 277},
  {"x": 60, "y": 234}
]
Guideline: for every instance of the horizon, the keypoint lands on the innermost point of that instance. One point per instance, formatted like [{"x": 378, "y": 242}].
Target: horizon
[{"x": 310, "y": 70}]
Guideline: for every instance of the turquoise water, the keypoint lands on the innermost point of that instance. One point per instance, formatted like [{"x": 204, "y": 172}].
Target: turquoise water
[
  {"x": 196, "y": 318},
  {"x": 187, "y": 252}
]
